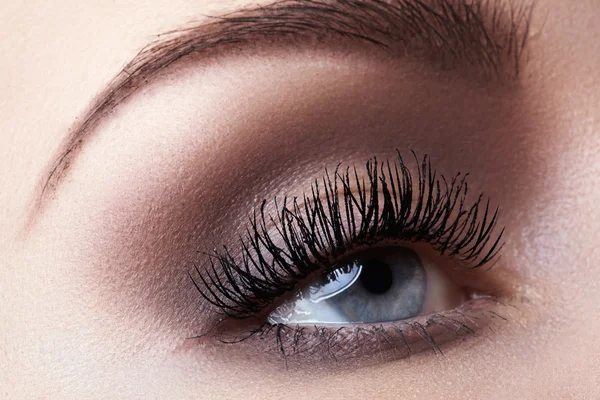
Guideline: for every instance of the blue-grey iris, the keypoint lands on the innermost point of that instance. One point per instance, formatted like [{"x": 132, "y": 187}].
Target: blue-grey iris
[
  {"x": 383, "y": 284},
  {"x": 390, "y": 286}
]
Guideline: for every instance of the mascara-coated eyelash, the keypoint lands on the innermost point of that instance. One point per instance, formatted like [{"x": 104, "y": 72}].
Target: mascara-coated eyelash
[{"x": 343, "y": 212}]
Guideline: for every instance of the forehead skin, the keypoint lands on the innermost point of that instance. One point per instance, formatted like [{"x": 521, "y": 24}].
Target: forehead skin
[{"x": 56, "y": 56}]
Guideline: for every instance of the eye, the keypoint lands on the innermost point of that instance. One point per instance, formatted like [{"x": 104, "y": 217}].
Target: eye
[
  {"x": 382, "y": 285},
  {"x": 341, "y": 233}
]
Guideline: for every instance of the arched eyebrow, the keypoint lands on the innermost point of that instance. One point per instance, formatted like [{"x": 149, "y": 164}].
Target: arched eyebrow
[{"x": 485, "y": 36}]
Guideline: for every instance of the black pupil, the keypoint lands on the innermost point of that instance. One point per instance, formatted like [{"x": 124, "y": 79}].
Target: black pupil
[{"x": 376, "y": 276}]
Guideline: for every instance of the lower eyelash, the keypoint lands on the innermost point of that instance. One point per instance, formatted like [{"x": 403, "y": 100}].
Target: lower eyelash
[{"x": 295, "y": 344}]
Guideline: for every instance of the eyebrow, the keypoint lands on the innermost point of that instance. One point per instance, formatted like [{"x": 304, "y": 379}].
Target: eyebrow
[{"x": 486, "y": 36}]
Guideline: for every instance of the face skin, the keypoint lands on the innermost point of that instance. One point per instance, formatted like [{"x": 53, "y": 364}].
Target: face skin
[{"x": 95, "y": 297}]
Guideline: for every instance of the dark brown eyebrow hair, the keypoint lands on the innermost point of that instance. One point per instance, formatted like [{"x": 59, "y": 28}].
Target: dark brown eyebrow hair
[{"x": 487, "y": 36}]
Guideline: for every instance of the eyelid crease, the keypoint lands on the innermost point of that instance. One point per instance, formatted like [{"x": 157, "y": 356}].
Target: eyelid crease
[{"x": 488, "y": 35}]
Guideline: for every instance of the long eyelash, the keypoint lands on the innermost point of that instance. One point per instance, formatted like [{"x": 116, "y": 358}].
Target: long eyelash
[{"x": 333, "y": 219}]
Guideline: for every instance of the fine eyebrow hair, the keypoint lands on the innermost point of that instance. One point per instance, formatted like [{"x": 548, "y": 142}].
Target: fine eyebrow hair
[{"x": 488, "y": 36}]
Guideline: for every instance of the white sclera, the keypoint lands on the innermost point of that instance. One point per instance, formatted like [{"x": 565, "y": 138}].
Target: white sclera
[{"x": 302, "y": 308}]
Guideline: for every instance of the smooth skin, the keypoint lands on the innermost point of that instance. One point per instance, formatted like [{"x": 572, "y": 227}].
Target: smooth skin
[{"x": 94, "y": 302}]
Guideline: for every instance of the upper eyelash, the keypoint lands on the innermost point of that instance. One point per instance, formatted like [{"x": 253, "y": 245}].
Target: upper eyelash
[{"x": 314, "y": 235}]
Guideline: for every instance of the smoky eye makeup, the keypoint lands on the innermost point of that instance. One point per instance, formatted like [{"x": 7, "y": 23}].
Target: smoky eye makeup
[
  {"x": 254, "y": 245},
  {"x": 369, "y": 260}
]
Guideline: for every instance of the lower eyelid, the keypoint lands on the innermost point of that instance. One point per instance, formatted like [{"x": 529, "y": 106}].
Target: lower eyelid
[{"x": 304, "y": 345}]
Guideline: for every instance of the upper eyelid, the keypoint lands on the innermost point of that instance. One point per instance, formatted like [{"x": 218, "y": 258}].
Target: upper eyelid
[
  {"x": 440, "y": 216},
  {"x": 386, "y": 24}
]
